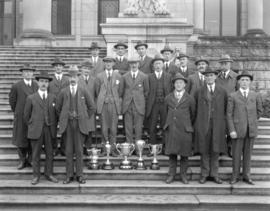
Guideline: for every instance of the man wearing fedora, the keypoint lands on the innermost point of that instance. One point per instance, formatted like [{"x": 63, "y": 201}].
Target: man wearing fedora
[
  {"x": 243, "y": 111},
  {"x": 59, "y": 81},
  {"x": 95, "y": 59},
  {"x": 17, "y": 99},
  {"x": 196, "y": 80},
  {"x": 75, "y": 108},
  {"x": 227, "y": 79},
  {"x": 210, "y": 125},
  {"x": 121, "y": 62},
  {"x": 109, "y": 87},
  {"x": 167, "y": 53},
  {"x": 180, "y": 113},
  {"x": 135, "y": 93},
  {"x": 40, "y": 116},
  {"x": 159, "y": 87},
  {"x": 87, "y": 81},
  {"x": 182, "y": 66},
  {"x": 144, "y": 60}
]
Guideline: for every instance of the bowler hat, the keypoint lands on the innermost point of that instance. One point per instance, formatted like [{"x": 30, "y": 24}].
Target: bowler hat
[
  {"x": 181, "y": 55},
  {"x": 178, "y": 76},
  {"x": 58, "y": 61},
  {"x": 120, "y": 43},
  {"x": 133, "y": 59},
  {"x": 94, "y": 45},
  {"x": 108, "y": 59},
  {"x": 225, "y": 58},
  {"x": 157, "y": 58},
  {"x": 27, "y": 67},
  {"x": 86, "y": 63},
  {"x": 140, "y": 43},
  {"x": 209, "y": 70},
  {"x": 166, "y": 48},
  {"x": 73, "y": 70},
  {"x": 245, "y": 73},
  {"x": 43, "y": 74},
  {"x": 201, "y": 59}
]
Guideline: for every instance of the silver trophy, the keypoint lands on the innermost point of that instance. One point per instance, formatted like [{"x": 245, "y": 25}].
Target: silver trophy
[
  {"x": 140, "y": 162},
  {"x": 155, "y": 150},
  {"x": 125, "y": 149},
  {"x": 108, "y": 165},
  {"x": 93, "y": 163}
]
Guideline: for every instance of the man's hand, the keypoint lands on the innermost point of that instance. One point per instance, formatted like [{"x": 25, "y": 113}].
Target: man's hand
[{"x": 233, "y": 135}]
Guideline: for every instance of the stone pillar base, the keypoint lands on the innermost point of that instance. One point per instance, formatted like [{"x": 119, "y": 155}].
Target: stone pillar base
[
  {"x": 35, "y": 37},
  {"x": 255, "y": 33}
]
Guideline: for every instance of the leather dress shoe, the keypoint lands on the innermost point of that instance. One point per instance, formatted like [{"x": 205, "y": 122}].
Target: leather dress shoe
[
  {"x": 68, "y": 180},
  {"x": 233, "y": 181},
  {"x": 169, "y": 179},
  {"x": 81, "y": 180},
  {"x": 248, "y": 181},
  {"x": 217, "y": 180},
  {"x": 35, "y": 181},
  {"x": 21, "y": 165},
  {"x": 28, "y": 164},
  {"x": 51, "y": 178},
  {"x": 184, "y": 180},
  {"x": 202, "y": 180}
]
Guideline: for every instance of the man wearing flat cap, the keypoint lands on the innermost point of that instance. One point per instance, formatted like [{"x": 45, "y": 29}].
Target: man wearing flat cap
[
  {"x": 168, "y": 60},
  {"x": 17, "y": 99},
  {"x": 108, "y": 88},
  {"x": 95, "y": 59},
  {"x": 75, "y": 108},
  {"x": 243, "y": 112},
  {"x": 210, "y": 125},
  {"x": 135, "y": 93},
  {"x": 87, "y": 81},
  {"x": 121, "y": 62},
  {"x": 59, "y": 81},
  {"x": 182, "y": 66},
  {"x": 40, "y": 116},
  {"x": 180, "y": 113},
  {"x": 144, "y": 60},
  {"x": 196, "y": 80},
  {"x": 159, "y": 87}
]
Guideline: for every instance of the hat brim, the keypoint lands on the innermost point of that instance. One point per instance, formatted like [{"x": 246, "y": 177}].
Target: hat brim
[
  {"x": 180, "y": 78},
  {"x": 164, "y": 50},
  {"x": 201, "y": 60},
  {"x": 43, "y": 77},
  {"x": 159, "y": 59},
  {"x": 208, "y": 72},
  {"x": 55, "y": 63},
  {"x": 32, "y": 69},
  {"x": 179, "y": 57},
  {"x": 120, "y": 44},
  {"x": 94, "y": 47},
  {"x": 108, "y": 60},
  {"x": 244, "y": 75},
  {"x": 142, "y": 44}
]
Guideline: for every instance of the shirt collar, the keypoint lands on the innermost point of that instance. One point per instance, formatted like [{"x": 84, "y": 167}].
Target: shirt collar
[
  {"x": 143, "y": 57},
  {"x": 213, "y": 86},
  {"x": 136, "y": 73},
  {"x": 201, "y": 75},
  {"x": 76, "y": 86},
  {"x": 243, "y": 90},
  {"x": 28, "y": 82},
  {"x": 41, "y": 93},
  {"x": 158, "y": 73},
  {"x": 184, "y": 69},
  {"x": 58, "y": 75}
]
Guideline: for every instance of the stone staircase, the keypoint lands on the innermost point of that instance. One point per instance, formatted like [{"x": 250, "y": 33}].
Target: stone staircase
[{"x": 117, "y": 189}]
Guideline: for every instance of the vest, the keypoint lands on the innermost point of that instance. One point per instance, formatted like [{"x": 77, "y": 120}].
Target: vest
[
  {"x": 160, "y": 90},
  {"x": 45, "y": 112},
  {"x": 73, "y": 107},
  {"x": 109, "y": 93}
]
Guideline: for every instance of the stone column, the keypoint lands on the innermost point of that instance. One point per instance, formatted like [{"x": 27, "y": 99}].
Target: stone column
[
  {"x": 255, "y": 18},
  {"x": 36, "y": 23},
  {"x": 198, "y": 16}
]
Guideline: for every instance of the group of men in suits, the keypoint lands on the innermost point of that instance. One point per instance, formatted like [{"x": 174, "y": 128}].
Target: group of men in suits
[{"x": 191, "y": 109}]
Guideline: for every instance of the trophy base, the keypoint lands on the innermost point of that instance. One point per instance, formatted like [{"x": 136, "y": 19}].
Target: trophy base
[
  {"x": 140, "y": 166},
  {"x": 125, "y": 166},
  {"x": 92, "y": 166},
  {"x": 107, "y": 166},
  {"x": 154, "y": 166}
]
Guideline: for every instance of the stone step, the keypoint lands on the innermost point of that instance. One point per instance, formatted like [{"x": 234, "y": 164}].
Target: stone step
[
  {"x": 193, "y": 173},
  {"x": 134, "y": 202}
]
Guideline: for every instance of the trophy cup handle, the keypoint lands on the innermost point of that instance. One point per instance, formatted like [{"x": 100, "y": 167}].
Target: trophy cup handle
[
  {"x": 132, "y": 148},
  {"x": 117, "y": 148},
  {"x": 159, "y": 148},
  {"x": 149, "y": 148}
]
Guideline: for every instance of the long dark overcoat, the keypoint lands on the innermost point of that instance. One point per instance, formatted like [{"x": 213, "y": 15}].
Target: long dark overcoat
[
  {"x": 178, "y": 126},
  {"x": 17, "y": 99},
  {"x": 202, "y": 119}
]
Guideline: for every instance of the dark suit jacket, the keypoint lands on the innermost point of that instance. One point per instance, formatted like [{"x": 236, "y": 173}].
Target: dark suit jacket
[
  {"x": 122, "y": 67},
  {"x": 99, "y": 67},
  {"x": 229, "y": 83},
  {"x": 166, "y": 77},
  {"x": 135, "y": 90},
  {"x": 56, "y": 86},
  {"x": 194, "y": 83},
  {"x": 176, "y": 69},
  {"x": 17, "y": 99},
  {"x": 35, "y": 118},
  {"x": 101, "y": 84},
  {"x": 86, "y": 108},
  {"x": 244, "y": 113},
  {"x": 145, "y": 65},
  {"x": 202, "y": 119},
  {"x": 170, "y": 68}
]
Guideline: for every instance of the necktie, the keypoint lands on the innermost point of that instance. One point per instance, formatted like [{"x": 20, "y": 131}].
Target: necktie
[
  {"x": 224, "y": 75},
  {"x": 120, "y": 59},
  {"x": 245, "y": 94},
  {"x": 43, "y": 97},
  {"x": 211, "y": 89},
  {"x": 133, "y": 76},
  {"x": 179, "y": 96},
  {"x": 86, "y": 80},
  {"x": 109, "y": 76},
  {"x": 166, "y": 65},
  {"x": 142, "y": 58}
]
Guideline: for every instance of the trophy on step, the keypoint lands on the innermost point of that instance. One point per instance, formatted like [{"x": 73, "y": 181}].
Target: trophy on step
[
  {"x": 93, "y": 163},
  {"x": 155, "y": 149},
  {"x": 125, "y": 149},
  {"x": 140, "y": 162},
  {"x": 108, "y": 165}
]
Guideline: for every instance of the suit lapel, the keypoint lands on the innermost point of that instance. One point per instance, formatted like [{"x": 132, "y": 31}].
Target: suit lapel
[{"x": 182, "y": 100}]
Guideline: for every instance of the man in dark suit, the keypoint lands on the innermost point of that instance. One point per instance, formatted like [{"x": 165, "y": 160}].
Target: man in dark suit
[
  {"x": 144, "y": 60},
  {"x": 40, "y": 116},
  {"x": 136, "y": 89},
  {"x": 159, "y": 87},
  {"x": 87, "y": 81},
  {"x": 95, "y": 59},
  {"x": 121, "y": 62},
  {"x": 109, "y": 87},
  {"x": 75, "y": 107},
  {"x": 59, "y": 82},
  {"x": 227, "y": 79},
  {"x": 210, "y": 125},
  {"x": 182, "y": 66},
  {"x": 196, "y": 80},
  {"x": 243, "y": 111},
  {"x": 17, "y": 98},
  {"x": 168, "y": 59}
]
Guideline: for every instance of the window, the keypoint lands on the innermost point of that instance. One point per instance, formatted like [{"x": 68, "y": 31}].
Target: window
[{"x": 61, "y": 17}]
